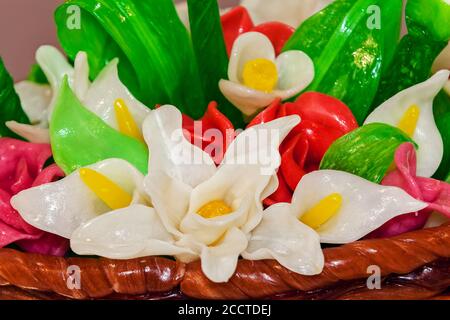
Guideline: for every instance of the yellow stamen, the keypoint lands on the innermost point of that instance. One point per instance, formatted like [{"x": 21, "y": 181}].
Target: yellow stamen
[
  {"x": 409, "y": 121},
  {"x": 125, "y": 120},
  {"x": 108, "y": 191},
  {"x": 260, "y": 74},
  {"x": 322, "y": 211},
  {"x": 214, "y": 209}
]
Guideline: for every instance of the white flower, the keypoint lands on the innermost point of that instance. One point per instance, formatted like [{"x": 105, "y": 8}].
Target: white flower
[
  {"x": 199, "y": 211},
  {"x": 412, "y": 111},
  {"x": 62, "y": 206},
  {"x": 99, "y": 97},
  {"x": 341, "y": 207},
  {"x": 257, "y": 77}
]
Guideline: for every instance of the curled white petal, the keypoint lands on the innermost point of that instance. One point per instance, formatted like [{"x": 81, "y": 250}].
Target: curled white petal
[
  {"x": 426, "y": 135},
  {"x": 105, "y": 90},
  {"x": 163, "y": 190},
  {"x": 35, "y": 99},
  {"x": 295, "y": 73},
  {"x": 219, "y": 262},
  {"x": 247, "y": 47},
  {"x": 31, "y": 133},
  {"x": 247, "y": 100},
  {"x": 81, "y": 81},
  {"x": 61, "y": 207},
  {"x": 366, "y": 206},
  {"x": 281, "y": 236},
  {"x": 170, "y": 152},
  {"x": 128, "y": 233},
  {"x": 55, "y": 67}
]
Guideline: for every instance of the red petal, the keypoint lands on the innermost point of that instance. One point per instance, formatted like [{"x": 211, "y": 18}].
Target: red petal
[
  {"x": 234, "y": 23},
  {"x": 278, "y": 33}
]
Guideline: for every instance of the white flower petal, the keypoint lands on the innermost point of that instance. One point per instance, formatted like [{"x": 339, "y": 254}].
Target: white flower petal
[
  {"x": 366, "y": 206},
  {"x": 105, "y": 90},
  {"x": 171, "y": 153},
  {"x": 248, "y": 46},
  {"x": 128, "y": 233},
  {"x": 436, "y": 220},
  {"x": 170, "y": 198},
  {"x": 61, "y": 207},
  {"x": 247, "y": 169},
  {"x": 219, "y": 262},
  {"x": 447, "y": 87},
  {"x": 35, "y": 99},
  {"x": 295, "y": 73},
  {"x": 427, "y": 136},
  {"x": 81, "y": 81},
  {"x": 55, "y": 66},
  {"x": 281, "y": 236},
  {"x": 247, "y": 100},
  {"x": 33, "y": 134}
]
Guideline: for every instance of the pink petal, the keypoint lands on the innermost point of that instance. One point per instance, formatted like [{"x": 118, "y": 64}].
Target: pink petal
[{"x": 436, "y": 193}]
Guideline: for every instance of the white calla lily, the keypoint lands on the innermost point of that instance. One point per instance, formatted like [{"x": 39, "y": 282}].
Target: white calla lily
[
  {"x": 281, "y": 236},
  {"x": 63, "y": 206},
  {"x": 416, "y": 103},
  {"x": 288, "y": 74},
  {"x": 99, "y": 96},
  {"x": 141, "y": 234},
  {"x": 216, "y": 209},
  {"x": 364, "y": 207}
]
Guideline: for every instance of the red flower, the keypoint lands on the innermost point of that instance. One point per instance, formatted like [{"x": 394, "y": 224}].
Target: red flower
[
  {"x": 436, "y": 193},
  {"x": 238, "y": 21},
  {"x": 324, "y": 119},
  {"x": 213, "y": 133},
  {"x": 22, "y": 167}
]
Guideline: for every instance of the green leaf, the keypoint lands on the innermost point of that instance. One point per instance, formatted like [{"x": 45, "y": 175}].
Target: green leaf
[
  {"x": 428, "y": 24},
  {"x": 211, "y": 54},
  {"x": 157, "y": 61},
  {"x": 441, "y": 108},
  {"x": 37, "y": 75},
  {"x": 367, "y": 152},
  {"x": 10, "y": 107},
  {"x": 349, "y": 52},
  {"x": 80, "y": 138}
]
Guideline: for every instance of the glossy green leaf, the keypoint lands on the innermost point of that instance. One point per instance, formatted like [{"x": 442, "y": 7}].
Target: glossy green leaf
[
  {"x": 211, "y": 54},
  {"x": 441, "y": 108},
  {"x": 350, "y": 48},
  {"x": 428, "y": 24},
  {"x": 37, "y": 75},
  {"x": 10, "y": 107},
  {"x": 367, "y": 152},
  {"x": 80, "y": 138},
  {"x": 157, "y": 61}
]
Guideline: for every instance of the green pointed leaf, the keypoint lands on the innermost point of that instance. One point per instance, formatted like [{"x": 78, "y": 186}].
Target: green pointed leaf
[
  {"x": 441, "y": 108},
  {"x": 211, "y": 54},
  {"x": 10, "y": 107},
  {"x": 157, "y": 61},
  {"x": 80, "y": 138},
  {"x": 428, "y": 24},
  {"x": 367, "y": 152},
  {"x": 350, "y": 48}
]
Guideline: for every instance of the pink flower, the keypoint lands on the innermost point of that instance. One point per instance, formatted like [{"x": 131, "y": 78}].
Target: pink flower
[
  {"x": 22, "y": 167},
  {"x": 436, "y": 193}
]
